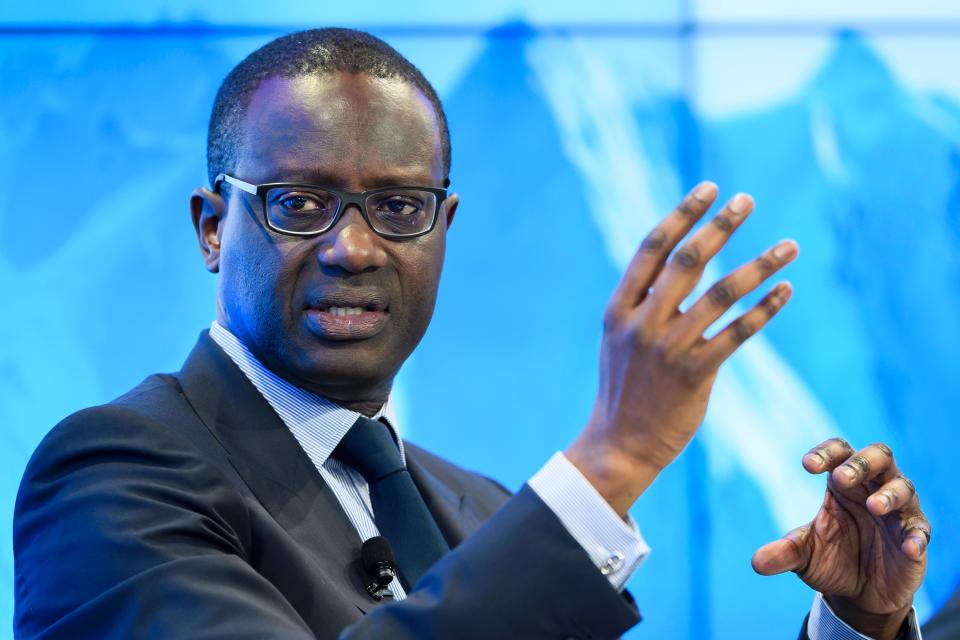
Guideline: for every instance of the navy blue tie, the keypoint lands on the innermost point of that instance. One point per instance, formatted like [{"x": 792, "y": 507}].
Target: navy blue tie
[{"x": 398, "y": 508}]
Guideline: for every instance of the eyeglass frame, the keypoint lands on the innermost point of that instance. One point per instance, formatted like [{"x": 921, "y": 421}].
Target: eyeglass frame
[{"x": 347, "y": 198}]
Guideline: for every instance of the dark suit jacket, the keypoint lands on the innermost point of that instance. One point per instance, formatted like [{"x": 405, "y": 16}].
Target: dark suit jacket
[
  {"x": 186, "y": 509},
  {"x": 945, "y": 624}
]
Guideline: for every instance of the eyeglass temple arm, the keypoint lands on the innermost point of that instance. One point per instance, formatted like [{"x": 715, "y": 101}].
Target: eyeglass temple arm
[{"x": 240, "y": 184}]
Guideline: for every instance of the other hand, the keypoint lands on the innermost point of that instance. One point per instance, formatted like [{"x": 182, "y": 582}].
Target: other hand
[
  {"x": 866, "y": 549},
  {"x": 656, "y": 366}
]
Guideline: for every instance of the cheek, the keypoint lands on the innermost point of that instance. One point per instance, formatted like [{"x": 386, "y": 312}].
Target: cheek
[
  {"x": 256, "y": 276},
  {"x": 422, "y": 278}
]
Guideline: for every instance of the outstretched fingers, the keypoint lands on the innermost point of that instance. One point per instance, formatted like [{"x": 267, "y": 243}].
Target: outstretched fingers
[
  {"x": 721, "y": 346},
  {"x": 650, "y": 257},
  {"x": 682, "y": 273},
  {"x": 726, "y": 292}
]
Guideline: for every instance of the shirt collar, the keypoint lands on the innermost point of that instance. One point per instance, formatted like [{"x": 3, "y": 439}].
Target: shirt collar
[{"x": 317, "y": 423}]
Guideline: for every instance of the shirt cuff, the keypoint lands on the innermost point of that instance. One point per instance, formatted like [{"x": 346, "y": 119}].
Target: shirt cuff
[
  {"x": 615, "y": 546},
  {"x": 824, "y": 624}
]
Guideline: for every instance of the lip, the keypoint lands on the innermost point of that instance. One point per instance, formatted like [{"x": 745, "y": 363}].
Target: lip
[{"x": 323, "y": 323}]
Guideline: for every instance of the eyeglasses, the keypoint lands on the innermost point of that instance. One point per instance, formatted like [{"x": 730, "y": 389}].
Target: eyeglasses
[{"x": 309, "y": 209}]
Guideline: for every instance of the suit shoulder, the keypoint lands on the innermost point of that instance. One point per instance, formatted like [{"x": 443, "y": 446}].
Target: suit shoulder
[
  {"x": 133, "y": 485},
  {"x": 454, "y": 474},
  {"x": 152, "y": 420}
]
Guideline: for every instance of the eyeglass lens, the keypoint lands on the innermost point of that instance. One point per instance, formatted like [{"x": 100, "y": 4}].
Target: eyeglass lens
[{"x": 399, "y": 212}]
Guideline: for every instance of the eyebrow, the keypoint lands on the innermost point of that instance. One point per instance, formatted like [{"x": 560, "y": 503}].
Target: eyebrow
[{"x": 319, "y": 177}]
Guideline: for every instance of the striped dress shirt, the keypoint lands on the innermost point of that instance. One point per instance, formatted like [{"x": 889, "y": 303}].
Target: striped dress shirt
[{"x": 824, "y": 624}]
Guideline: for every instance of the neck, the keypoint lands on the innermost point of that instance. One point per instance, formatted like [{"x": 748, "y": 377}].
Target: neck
[
  {"x": 365, "y": 397},
  {"x": 368, "y": 408}
]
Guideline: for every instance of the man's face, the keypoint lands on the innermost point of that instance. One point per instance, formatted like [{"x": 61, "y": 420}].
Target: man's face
[{"x": 284, "y": 296}]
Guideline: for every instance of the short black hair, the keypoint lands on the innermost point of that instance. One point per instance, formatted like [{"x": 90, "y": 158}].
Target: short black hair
[{"x": 315, "y": 51}]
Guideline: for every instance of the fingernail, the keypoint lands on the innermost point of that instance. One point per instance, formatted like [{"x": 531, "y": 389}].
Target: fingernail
[
  {"x": 705, "y": 191},
  {"x": 739, "y": 203},
  {"x": 885, "y": 502},
  {"x": 920, "y": 542},
  {"x": 815, "y": 458},
  {"x": 848, "y": 473},
  {"x": 785, "y": 250}
]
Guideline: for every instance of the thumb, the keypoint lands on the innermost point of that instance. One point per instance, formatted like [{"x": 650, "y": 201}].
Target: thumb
[{"x": 789, "y": 553}]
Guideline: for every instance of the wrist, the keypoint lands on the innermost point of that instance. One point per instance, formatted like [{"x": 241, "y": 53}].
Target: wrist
[
  {"x": 618, "y": 477},
  {"x": 880, "y": 626}
]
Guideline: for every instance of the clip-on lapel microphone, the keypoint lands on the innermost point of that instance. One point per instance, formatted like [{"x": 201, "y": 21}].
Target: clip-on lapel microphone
[{"x": 376, "y": 554}]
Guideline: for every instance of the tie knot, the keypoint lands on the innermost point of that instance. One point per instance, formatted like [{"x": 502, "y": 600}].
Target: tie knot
[{"x": 369, "y": 448}]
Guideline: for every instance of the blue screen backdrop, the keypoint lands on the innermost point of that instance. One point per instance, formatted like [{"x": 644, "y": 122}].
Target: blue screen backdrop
[{"x": 574, "y": 129}]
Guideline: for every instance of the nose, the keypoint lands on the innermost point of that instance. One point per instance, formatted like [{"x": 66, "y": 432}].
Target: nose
[{"x": 352, "y": 245}]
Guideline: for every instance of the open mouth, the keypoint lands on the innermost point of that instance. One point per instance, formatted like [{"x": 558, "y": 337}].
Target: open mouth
[
  {"x": 338, "y": 317},
  {"x": 345, "y": 310}
]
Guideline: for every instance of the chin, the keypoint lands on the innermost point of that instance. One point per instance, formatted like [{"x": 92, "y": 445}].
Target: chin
[{"x": 344, "y": 367}]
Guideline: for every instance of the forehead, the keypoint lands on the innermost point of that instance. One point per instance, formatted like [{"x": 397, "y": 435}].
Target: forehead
[{"x": 348, "y": 127}]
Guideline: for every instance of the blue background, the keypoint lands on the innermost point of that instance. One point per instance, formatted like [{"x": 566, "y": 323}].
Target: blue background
[{"x": 574, "y": 129}]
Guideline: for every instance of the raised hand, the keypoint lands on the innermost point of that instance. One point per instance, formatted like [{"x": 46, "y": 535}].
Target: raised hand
[
  {"x": 656, "y": 366},
  {"x": 866, "y": 549}
]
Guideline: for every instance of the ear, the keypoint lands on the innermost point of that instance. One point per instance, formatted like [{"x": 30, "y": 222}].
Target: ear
[
  {"x": 207, "y": 210},
  {"x": 450, "y": 207}
]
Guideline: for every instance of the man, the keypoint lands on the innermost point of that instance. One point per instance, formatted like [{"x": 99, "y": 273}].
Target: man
[{"x": 231, "y": 500}]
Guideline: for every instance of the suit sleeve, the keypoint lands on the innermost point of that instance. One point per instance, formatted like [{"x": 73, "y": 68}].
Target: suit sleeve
[
  {"x": 123, "y": 530},
  {"x": 520, "y": 575},
  {"x": 945, "y": 624}
]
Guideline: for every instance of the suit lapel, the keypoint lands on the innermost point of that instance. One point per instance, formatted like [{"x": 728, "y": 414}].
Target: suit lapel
[
  {"x": 454, "y": 512},
  {"x": 274, "y": 465},
  {"x": 282, "y": 477}
]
